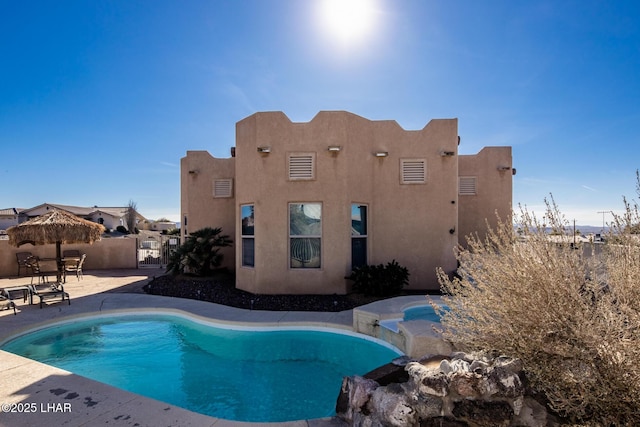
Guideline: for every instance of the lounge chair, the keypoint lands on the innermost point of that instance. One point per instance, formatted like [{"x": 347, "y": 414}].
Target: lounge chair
[
  {"x": 5, "y": 302},
  {"x": 75, "y": 266},
  {"x": 22, "y": 258},
  {"x": 50, "y": 291}
]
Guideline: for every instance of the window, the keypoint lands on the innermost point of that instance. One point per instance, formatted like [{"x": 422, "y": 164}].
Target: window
[
  {"x": 413, "y": 171},
  {"x": 467, "y": 186},
  {"x": 247, "y": 234},
  {"x": 305, "y": 232},
  {"x": 358, "y": 235},
  {"x": 223, "y": 188},
  {"x": 301, "y": 166}
]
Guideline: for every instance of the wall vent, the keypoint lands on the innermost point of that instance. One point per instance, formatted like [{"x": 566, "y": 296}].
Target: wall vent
[
  {"x": 467, "y": 186},
  {"x": 223, "y": 188},
  {"x": 413, "y": 171},
  {"x": 301, "y": 166}
]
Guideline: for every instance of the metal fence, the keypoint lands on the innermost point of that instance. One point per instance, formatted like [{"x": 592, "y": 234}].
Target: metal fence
[{"x": 156, "y": 251}]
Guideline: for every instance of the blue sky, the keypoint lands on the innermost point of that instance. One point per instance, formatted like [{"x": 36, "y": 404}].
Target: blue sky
[{"x": 99, "y": 100}]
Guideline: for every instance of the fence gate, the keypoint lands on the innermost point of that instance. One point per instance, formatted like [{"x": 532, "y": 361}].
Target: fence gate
[{"x": 155, "y": 251}]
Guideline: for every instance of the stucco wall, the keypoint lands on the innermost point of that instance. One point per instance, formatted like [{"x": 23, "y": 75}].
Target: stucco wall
[
  {"x": 109, "y": 253},
  {"x": 198, "y": 171},
  {"x": 493, "y": 170},
  {"x": 408, "y": 223},
  {"x": 418, "y": 225}
]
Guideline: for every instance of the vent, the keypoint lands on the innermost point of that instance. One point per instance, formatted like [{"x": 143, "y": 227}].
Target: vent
[
  {"x": 223, "y": 188},
  {"x": 467, "y": 186},
  {"x": 414, "y": 171},
  {"x": 301, "y": 166}
]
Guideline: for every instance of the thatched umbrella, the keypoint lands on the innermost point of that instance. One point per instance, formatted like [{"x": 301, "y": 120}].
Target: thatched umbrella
[{"x": 55, "y": 226}]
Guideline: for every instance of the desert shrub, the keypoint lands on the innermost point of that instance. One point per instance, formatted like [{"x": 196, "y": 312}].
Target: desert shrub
[
  {"x": 380, "y": 280},
  {"x": 122, "y": 229},
  {"x": 200, "y": 253},
  {"x": 571, "y": 315}
]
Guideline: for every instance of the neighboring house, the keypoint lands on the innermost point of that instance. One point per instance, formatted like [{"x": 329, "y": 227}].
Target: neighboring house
[
  {"x": 110, "y": 217},
  {"x": 307, "y": 202},
  {"x": 161, "y": 225},
  {"x": 8, "y": 218}
]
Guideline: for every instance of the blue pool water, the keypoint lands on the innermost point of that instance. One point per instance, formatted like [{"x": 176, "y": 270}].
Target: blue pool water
[
  {"x": 275, "y": 375},
  {"x": 421, "y": 312}
]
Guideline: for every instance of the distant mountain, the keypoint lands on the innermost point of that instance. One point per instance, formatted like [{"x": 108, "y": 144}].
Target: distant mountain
[{"x": 583, "y": 229}]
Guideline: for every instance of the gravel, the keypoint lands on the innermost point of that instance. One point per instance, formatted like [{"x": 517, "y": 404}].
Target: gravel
[{"x": 221, "y": 289}]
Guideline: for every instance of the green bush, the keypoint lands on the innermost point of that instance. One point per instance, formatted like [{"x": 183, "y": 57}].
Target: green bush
[
  {"x": 200, "y": 253},
  {"x": 380, "y": 280},
  {"x": 572, "y": 316}
]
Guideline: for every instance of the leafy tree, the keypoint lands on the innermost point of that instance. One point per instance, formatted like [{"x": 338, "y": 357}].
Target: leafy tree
[{"x": 200, "y": 253}]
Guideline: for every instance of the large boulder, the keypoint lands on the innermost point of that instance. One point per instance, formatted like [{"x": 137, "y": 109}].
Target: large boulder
[{"x": 471, "y": 390}]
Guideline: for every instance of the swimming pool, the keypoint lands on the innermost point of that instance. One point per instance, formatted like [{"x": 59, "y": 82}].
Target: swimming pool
[
  {"x": 269, "y": 374},
  {"x": 416, "y": 312},
  {"x": 422, "y": 312}
]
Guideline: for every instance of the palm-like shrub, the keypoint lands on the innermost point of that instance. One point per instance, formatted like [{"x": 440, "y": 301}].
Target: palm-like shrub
[
  {"x": 200, "y": 253},
  {"x": 380, "y": 280},
  {"x": 570, "y": 314}
]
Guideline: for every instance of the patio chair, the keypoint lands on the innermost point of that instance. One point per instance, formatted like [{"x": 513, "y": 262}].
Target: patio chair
[
  {"x": 21, "y": 258},
  {"x": 37, "y": 269},
  {"x": 71, "y": 253},
  {"x": 6, "y": 302},
  {"x": 50, "y": 291},
  {"x": 74, "y": 267}
]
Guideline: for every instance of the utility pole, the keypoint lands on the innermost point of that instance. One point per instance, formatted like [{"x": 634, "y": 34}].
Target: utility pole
[{"x": 603, "y": 212}]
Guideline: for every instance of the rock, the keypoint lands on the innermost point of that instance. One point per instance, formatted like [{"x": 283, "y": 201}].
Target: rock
[
  {"x": 478, "y": 413},
  {"x": 429, "y": 382},
  {"x": 464, "y": 390},
  {"x": 508, "y": 383},
  {"x": 402, "y": 360},
  {"x": 471, "y": 386},
  {"x": 392, "y": 407},
  {"x": 354, "y": 396},
  {"x": 388, "y": 374},
  {"x": 532, "y": 414},
  {"x": 478, "y": 367}
]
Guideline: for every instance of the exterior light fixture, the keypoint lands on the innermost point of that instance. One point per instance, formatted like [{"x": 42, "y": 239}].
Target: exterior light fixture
[
  {"x": 194, "y": 172},
  {"x": 504, "y": 168},
  {"x": 264, "y": 150},
  {"x": 334, "y": 148},
  {"x": 381, "y": 153},
  {"x": 447, "y": 153}
]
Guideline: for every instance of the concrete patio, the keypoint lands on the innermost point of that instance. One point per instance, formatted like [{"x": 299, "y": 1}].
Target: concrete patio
[{"x": 34, "y": 394}]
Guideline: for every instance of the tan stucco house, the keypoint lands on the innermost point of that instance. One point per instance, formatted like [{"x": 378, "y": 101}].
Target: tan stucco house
[{"x": 307, "y": 202}]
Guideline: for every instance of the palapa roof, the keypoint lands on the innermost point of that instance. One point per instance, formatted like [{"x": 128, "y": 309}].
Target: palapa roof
[{"x": 53, "y": 227}]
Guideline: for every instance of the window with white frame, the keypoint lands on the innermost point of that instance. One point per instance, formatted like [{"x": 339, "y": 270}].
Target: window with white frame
[
  {"x": 413, "y": 171},
  {"x": 467, "y": 186},
  {"x": 301, "y": 166},
  {"x": 359, "y": 232},
  {"x": 305, "y": 235},
  {"x": 247, "y": 218}
]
